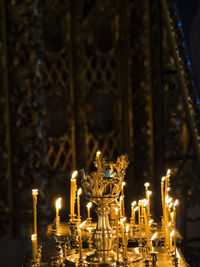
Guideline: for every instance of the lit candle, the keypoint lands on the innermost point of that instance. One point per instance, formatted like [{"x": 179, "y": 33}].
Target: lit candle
[
  {"x": 122, "y": 229},
  {"x": 123, "y": 207},
  {"x": 58, "y": 206},
  {"x": 132, "y": 211},
  {"x": 78, "y": 204},
  {"x": 139, "y": 222},
  {"x": 151, "y": 241},
  {"x": 98, "y": 159},
  {"x": 89, "y": 205},
  {"x": 174, "y": 221},
  {"x": 148, "y": 204},
  {"x": 147, "y": 184},
  {"x": 126, "y": 241},
  {"x": 167, "y": 182},
  {"x": 163, "y": 197},
  {"x": 80, "y": 239},
  {"x": 170, "y": 242},
  {"x": 146, "y": 223},
  {"x": 117, "y": 232},
  {"x": 34, "y": 246},
  {"x": 34, "y": 194},
  {"x": 73, "y": 193}
]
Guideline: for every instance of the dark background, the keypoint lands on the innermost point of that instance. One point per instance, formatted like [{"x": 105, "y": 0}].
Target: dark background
[{"x": 81, "y": 76}]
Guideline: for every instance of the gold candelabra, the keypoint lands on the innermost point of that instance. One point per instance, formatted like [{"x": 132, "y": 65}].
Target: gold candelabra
[{"x": 113, "y": 240}]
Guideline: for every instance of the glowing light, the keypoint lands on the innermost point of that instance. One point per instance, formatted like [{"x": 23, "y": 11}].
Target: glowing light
[
  {"x": 168, "y": 172},
  {"x": 123, "y": 184},
  {"x": 74, "y": 174},
  {"x": 116, "y": 210},
  {"x": 58, "y": 203},
  {"x": 170, "y": 205},
  {"x": 33, "y": 237},
  {"x": 126, "y": 229},
  {"x": 150, "y": 221},
  {"x": 89, "y": 205},
  {"x": 34, "y": 192},
  {"x": 168, "y": 189},
  {"x": 168, "y": 199},
  {"x": 154, "y": 236},
  {"x": 121, "y": 198},
  {"x": 82, "y": 224},
  {"x": 147, "y": 184},
  {"x": 123, "y": 220},
  {"x": 79, "y": 191},
  {"x": 149, "y": 193},
  {"x": 98, "y": 153},
  {"x": 172, "y": 233},
  {"x": 176, "y": 202},
  {"x": 135, "y": 209},
  {"x": 163, "y": 178},
  {"x": 145, "y": 202},
  {"x": 133, "y": 203},
  {"x": 169, "y": 224}
]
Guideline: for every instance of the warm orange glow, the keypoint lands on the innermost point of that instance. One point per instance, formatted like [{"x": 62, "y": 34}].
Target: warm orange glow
[
  {"x": 58, "y": 203},
  {"x": 98, "y": 153},
  {"x": 147, "y": 184},
  {"x": 82, "y": 224},
  {"x": 123, "y": 220},
  {"x": 123, "y": 184},
  {"x": 74, "y": 174},
  {"x": 176, "y": 202},
  {"x": 163, "y": 178},
  {"x": 126, "y": 229},
  {"x": 133, "y": 203},
  {"x": 135, "y": 209},
  {"x": 79, "y": 191},
  {"x": 149, "y": 193},
  {"x": 33, "y": 237},
  {"x": 89, "y": 205},
  {"x": 34, "y": 192},
  {"x": 168, "y": 172},
  {"x": 154, "y": 236}
]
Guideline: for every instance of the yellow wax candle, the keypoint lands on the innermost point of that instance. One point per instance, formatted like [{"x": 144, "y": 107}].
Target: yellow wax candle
[
  {"x": 80, "y": 239},
  {"x": 146, "y": 226},
  {"x": 34, "y": 194},
  {"x": 123, "y": 207},
  {"x": 139, "y": 222},
  {"x": 126, "y": 241},
  {"x": 73, "y": 193},
  {"x": 34, "y": 246},
  {"x": 58, "y": 206},
  {"x": 78, "y": 204},
  {"x": 147, "y": 184},
  {"x": 89, "y": 205},
  {"x": 132, "y": 210},
  {"x": 167, "y": 182},
  {"x": 122, "y": 229},
  {"x": 148, "y": 204},
  {"x": 151, "y": 240},
  {"x": 171, "y": 236},
  {"x": 117, "y": 232}
]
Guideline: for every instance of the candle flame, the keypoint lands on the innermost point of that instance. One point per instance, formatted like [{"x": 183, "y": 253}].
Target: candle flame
[
  {"x": 98, "y": 153},
  {"x": 170, "y": 223},
  {"x": 176, "y": 202},
  {"x": 172, "y": 214},
  {"x": 123, "y": 184},
  {"x": 33, "y": 237},
  {"x": 168, "y": 172},
  {"x": 163, "y": 178},
  {"x": 127, "y": 229},
  {"x": 154, "y": 236},
  {"x": 82, "y": 224},
  {"x": 135, "y": 209},
  {"x": 147, "y": 184},
  {"x": 145, "y": 202},
  {"x": 172, "y": 233},
  {"x": 168, "y": 189},
  {"x": 150, "y": 221},
  {"x": 121, "y": 198},
  {"x": 123, "y": 219},
  {"x": 168, "y": 199},
  {"x": 34, "y": 192},
  {"x": 58, "y": 203},
  {"x": 79, "y": 191},
  {"x": 133, "y": 203},
  {"x": 89, "y": 205},
  {"x": 170, "y": 205},
  {"x": 177, "y": 254},
  {"x": 149, "y": 193},
  {"x": 74, "y": 174},
  {"x": 116, "y": 210}
]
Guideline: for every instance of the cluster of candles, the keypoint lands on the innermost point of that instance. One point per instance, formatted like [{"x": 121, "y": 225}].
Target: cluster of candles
[{"x": 142, "y": 208}]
